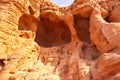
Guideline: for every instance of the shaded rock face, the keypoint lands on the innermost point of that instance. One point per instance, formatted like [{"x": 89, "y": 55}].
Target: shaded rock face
[
  {"x": 52, "y": 33},
  {"x": 82, "y": 27},
  {"x": 41, "y": 41},
  {"x": 28, "y": 22}
]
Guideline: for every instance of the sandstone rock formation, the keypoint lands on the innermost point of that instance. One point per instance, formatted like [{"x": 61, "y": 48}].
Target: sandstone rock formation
[{"x": 42, "y": 41}]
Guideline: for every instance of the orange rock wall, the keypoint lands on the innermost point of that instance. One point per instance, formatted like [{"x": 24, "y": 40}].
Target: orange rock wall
[{"x": 42, "y": 41}]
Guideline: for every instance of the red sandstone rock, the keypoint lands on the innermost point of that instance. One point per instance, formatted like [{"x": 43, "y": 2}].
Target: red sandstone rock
[
  {"x": 108, "y": 65},
  {"x": 41, "y": 41},
  {"x": 103, "y": 34},
  {"x": 114, "y": 15}
]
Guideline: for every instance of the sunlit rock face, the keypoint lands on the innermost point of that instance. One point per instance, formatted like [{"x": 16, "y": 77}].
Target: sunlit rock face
[{"x": 41, "y": 41}]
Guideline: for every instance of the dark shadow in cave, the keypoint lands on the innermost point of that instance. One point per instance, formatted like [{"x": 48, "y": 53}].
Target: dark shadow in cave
[
  {"x": 27, "y": 26},
  {"x": 2, "y": 64},
  {"x": 52, "y": 33},
  {"x": 82, "y": 27},
  {"x": 28, "y": 22},
  {"x": 48, "y": 33}
]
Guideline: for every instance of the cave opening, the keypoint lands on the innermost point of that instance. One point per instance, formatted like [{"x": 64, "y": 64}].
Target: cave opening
[
  {"x": 51, "y": 33},
  {"x": 82, "y": 27},
  {"x": 48, "y": 33}
]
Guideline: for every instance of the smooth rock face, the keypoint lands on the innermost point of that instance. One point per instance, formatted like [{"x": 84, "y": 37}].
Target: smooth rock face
[
  {"x": 108, "y": 65},
  {"x": 41, "y": 41}
]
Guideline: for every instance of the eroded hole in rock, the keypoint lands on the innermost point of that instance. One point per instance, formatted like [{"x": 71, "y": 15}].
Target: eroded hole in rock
[
  {"x": 82, "y": 27},
  {"x": 28, "y": 22},
  {"x": 52, "y": 33},
  {"x": 1, "y": 64},
  {"x": 48, "y": 33},
  {"x": 27, "y": 26}
]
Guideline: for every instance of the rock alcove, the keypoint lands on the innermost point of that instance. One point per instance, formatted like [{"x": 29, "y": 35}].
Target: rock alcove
[{"x": 40, "y": 40}]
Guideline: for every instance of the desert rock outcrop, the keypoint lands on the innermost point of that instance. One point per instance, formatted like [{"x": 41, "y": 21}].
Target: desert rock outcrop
[{"x": 42, "y": 41}]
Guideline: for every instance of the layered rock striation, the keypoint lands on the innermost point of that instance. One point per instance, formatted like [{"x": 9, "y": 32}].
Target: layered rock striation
[{"x": 42, "y": 41}]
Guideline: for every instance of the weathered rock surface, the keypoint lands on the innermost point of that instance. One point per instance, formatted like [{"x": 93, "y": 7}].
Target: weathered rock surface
[
  {"x": 42, "y": 41},
  {"x": 103, "y": 34},
  {"x": 107, "y": 66}
]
